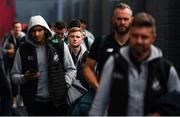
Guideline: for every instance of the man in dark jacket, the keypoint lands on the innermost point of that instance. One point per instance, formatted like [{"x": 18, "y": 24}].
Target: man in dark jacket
[
  {"x": 138, "y": 78},
  {"x": 101, "y": 49},
  {"x": 44, "y": 69}
]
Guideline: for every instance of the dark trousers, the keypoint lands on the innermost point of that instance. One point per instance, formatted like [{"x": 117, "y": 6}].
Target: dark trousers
[{"x": 46, "y": 109}]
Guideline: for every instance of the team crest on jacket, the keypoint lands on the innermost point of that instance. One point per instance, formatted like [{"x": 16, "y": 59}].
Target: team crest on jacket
[
  {"x": 156, "y": 85},
  {"x": 56, "y": 57}
]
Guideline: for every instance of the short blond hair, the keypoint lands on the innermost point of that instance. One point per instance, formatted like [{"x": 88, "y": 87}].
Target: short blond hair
[{"x": 75, "y": 29}]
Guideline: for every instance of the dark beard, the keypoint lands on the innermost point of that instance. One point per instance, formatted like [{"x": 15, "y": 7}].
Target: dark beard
[
  {"x": 138, "y": 51},
  {"x": 122, "y": 32}
]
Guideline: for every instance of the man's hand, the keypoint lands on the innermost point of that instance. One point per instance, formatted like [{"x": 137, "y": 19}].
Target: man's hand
[
  {"x": 30, "y": 75},
  {"x": 89, "y": 73},
  {"x": 10, "y": 52}
]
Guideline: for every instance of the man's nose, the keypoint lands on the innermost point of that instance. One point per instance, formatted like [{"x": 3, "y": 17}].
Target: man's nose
[
  {"x": 122, "y": 21},
  {"x": 139, "y": 40},
  {"x": 36, "y": 33}
]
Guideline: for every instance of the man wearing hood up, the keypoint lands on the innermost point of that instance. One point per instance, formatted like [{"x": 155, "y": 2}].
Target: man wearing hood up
[
  {"x": 44, "y": 69},
  {"x": 138, "y": 78}
]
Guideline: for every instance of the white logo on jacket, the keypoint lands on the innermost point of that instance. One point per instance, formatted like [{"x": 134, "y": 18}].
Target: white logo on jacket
[
  {"x": 56, "y": 57},
  {"x": 109, "y": 50},
  {"x": 156, "y": 85}
]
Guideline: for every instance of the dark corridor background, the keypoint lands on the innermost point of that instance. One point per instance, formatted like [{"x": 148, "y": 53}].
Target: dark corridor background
[{"x": 97, "y": 14}]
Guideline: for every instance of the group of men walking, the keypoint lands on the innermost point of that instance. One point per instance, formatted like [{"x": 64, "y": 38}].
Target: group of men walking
[{"x": 123, "y": 71}]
